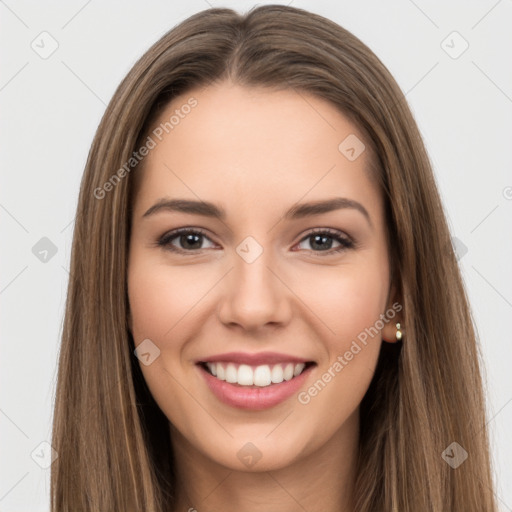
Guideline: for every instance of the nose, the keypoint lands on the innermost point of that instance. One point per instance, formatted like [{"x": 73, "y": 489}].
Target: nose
[{"x": 254, "y": 295}]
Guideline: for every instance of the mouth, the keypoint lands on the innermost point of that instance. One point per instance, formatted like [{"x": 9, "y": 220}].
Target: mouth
[
  {"x": 252, "y": 376},
  {"x": 251, "y": 385}
]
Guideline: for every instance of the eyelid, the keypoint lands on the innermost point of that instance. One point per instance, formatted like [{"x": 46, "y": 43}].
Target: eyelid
[
  {"x": 165, "y": 239},
  {"x": 345, "y": 241}
]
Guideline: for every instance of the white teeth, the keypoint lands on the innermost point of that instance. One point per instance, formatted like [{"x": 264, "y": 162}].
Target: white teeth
[
  {"x": 245, "y": 375},
  {"x": 221, "y": 373},
  {"x": 231, "y": 373},
  {"x": 263, "y": 375},
  {"x": 212, "y": 367},
  {"x": 298, "y": 369},
  {"x": 288, "y": 371},
  {"x": 277, "y": 374}
]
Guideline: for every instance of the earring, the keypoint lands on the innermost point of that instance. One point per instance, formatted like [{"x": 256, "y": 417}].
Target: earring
[{"x": 398, "y": 332}]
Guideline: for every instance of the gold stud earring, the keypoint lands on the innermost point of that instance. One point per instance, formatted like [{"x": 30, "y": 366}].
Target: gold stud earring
[{"x": 398, "y": 332}]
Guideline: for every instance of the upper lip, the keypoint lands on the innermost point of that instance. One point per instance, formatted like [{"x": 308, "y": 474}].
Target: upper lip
[{"x": 256, "y": 359}]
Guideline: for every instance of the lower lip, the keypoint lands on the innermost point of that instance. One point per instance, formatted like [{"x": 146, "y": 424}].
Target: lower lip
[{"x": 256, "y": 398}]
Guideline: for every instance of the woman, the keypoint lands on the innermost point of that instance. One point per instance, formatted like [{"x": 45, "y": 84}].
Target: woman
[{"x": 265, "y": 368}]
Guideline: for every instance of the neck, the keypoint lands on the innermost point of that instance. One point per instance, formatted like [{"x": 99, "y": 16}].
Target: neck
[{"x": 323, "y": 480}]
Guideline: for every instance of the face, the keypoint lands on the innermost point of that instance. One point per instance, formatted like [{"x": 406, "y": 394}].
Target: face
[{"x": 269, "y": 288}]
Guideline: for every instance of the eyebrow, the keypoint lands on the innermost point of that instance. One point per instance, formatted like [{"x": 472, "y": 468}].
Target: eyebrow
[{"x": 297, "y": 211}]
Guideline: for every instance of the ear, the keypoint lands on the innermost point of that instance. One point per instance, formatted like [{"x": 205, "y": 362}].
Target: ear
[
  {"x": 393, "y": 314},
  {"x": 389, "y": 331}
]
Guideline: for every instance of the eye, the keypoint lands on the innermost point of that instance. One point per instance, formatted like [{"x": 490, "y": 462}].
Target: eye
[
  {"x": 322, "y": 239},
  {"x": 189, "y": 238}
]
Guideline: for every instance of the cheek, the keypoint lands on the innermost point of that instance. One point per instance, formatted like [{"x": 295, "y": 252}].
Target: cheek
[
  {"x": 359, "y": 304},
  {"x": 351, "y": 305},
  {"x": 162, "y": 309},
  {"x": 350, "y": 302},
  {"x": 162, "y": 298},
  {"x": 346, "y": 299}
]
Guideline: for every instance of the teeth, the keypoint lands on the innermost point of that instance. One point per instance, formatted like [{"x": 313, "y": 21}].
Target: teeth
[
  {"x": 221, "y": 372},
  {"x": 277, "y": 374},
  {"x": 245, "y": 375},
  {"x": 288, "y": 371},
  {"x": 212, "y": 367},
  {"x": 231, "y": 373},
  {"x": 262, "y": 375}
]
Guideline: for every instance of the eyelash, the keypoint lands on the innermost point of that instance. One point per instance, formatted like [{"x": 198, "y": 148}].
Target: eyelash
[{"x": 345, "y": 242}]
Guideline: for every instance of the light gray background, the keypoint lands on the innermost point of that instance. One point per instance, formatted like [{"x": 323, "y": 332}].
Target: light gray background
[{"x": 50, "y": 109}]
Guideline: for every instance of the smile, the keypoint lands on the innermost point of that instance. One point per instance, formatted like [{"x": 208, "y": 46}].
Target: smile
[
  {"x": 255, "y": 376},
  {"x": 253, "y": 383}
]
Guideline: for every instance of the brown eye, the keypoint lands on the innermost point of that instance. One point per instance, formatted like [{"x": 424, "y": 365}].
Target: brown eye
[{"x": 188, "y": 240}]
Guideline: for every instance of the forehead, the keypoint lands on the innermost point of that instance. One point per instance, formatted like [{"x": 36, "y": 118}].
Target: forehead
[{"x": 255, "y": 145}]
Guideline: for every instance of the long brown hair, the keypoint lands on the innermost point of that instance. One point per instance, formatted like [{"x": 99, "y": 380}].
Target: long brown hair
[{"x": 112, "y": 440}]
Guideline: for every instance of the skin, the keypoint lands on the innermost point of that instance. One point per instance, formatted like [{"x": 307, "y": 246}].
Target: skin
[{"x": 256, "y": 153}]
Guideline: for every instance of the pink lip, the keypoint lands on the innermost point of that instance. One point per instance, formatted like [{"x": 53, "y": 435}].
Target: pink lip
[
  {"x": 253, "y": 359},
  {"x": 253, "y": 398}
]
